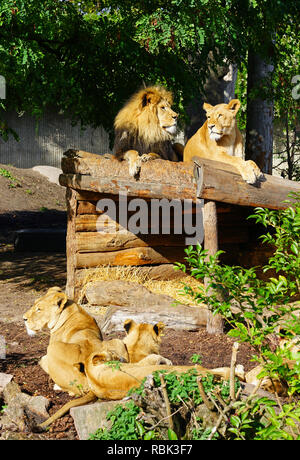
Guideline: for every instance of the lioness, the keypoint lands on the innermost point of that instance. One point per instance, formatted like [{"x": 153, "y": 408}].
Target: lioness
[
  {"x": 74, "y": 335},
  {"x": 109, "y": 383},
  {"x": 143, "y": 343},
  {"x": 219, "y": 139}
]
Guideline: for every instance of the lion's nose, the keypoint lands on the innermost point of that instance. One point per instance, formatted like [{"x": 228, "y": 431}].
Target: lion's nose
[{"x": 175, "y": 116}]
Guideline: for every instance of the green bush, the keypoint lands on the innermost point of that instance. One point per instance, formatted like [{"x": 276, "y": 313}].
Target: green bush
[{"x": 253, "y": 309}]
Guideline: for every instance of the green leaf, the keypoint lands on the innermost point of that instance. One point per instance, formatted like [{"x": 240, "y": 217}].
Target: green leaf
[{"x": 172, "y": 436}]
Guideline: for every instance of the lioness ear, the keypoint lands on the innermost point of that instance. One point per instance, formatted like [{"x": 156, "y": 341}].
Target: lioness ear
[
  {"x": 234, "y": 106},
  {"x": 101, "y": 358},
  {"x": 158, "y": 328},
  {"x": 54, "y": 289},
  {"x": 128, "y": 324},
  {"x": 207, "y": 106},
  {"x": 80, "y": 367},
  {"x": 61, "y": 301}
]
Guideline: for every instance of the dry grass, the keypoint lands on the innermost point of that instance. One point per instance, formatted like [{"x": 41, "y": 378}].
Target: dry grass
[{"x": 172, "y": 288}]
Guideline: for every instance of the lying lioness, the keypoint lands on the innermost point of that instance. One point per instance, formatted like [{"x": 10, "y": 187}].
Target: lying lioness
[
  {"x": 114, "y": 383},
  {"x": 74, "y": 335}
]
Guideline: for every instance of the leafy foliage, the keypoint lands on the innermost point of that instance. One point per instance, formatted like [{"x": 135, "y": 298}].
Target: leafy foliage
[{"x": 86, "y": 58}]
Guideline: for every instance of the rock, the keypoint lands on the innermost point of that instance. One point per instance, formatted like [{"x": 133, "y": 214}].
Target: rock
[
  {"x": 4, "y": 380},
  {"x": 89, "y": 417},
  {"x": 124, "y": 294},
  {"x": 132, "y": 300},
  {"x": 50, "y": 172},
  {"x": 11, "y": 391},
  {"x": 176, "y": 317},
  {"x": 13, "y": 436},
  {"x": 22, "y": 412}
]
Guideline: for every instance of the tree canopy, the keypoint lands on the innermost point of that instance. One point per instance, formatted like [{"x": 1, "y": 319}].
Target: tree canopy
[{"x": 85, "y": 58}]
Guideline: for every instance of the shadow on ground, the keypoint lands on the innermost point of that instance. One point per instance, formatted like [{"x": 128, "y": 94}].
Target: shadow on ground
[{"x": 33, "y": 270}]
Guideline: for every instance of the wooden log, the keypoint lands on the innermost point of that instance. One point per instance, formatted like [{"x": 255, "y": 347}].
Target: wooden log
[
  {"x": 139, "y": 189},
  {"x": 117, "y": 240},
  {"x": 134, "y": 256},
  {"x": 103, "y": 241},
  {"x": 106, "y": 166},
  {"x": 99, "y": 223},
  {"x": 215, "y": 323},
  {"x": 219, "y": 182}
]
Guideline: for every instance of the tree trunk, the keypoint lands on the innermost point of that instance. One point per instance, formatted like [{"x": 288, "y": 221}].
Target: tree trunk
[{"x": 259, "y": 132}]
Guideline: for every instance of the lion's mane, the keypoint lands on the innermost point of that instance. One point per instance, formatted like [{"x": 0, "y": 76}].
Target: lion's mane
[{"x": 137, "y": 126}]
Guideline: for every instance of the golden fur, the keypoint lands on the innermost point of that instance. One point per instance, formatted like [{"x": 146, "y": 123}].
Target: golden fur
[
  {"x": 219, "y": 139},
  {"x": 113, "y": 384},
  {"x": 145, "y": 128},
  {"x": 143, "y": 342},
  {"x": 74, "y": 335}
]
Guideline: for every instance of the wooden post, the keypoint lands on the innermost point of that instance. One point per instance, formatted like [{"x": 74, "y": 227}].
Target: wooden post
[
  {"x": 215, "y": 323},
  {"x": 71, "y": 242}
]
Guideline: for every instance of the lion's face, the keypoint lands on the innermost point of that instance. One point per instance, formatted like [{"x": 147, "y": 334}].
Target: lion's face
[
  {"x": 45, "y": 311},
  {"x": 221, "y": 118},
  {"x": 147, "y": 116},
  {"x": 142, "y": 339},
  {"x": 167, "y": 118}
]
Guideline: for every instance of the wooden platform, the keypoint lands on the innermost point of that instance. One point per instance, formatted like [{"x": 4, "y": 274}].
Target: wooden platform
[{"x": 93, "y": 239}]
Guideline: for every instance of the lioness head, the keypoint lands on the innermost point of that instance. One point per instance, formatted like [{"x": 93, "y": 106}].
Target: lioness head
[
  {"x": 221, "y": 118},
  {"x": 142, "y": 339},
  {"x": 45, "y": 311},
  {"x": 149, "y": 114}
]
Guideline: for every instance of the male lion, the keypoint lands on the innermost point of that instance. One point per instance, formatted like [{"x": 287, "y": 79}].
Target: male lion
[
  {"x": 145, "y": 128},
  {"x": 219, "y": 139}
]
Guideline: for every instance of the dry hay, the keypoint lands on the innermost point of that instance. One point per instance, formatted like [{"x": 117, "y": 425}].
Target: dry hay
[{"x": 173, "y": 288}]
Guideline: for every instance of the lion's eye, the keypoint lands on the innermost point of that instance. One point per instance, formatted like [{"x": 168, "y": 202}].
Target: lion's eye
[
  {"x": 208, "y": 117},
  {"x": 220, "y": 115}
]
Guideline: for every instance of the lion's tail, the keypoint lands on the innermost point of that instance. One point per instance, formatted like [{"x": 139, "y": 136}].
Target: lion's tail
[{"x": 89, "y": 397}]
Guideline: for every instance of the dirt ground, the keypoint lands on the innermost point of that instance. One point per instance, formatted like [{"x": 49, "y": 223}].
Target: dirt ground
[{"x": 26, "y": 276}]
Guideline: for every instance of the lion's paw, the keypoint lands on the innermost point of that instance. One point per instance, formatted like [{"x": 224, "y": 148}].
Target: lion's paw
[{"x": 251, "y": 172}]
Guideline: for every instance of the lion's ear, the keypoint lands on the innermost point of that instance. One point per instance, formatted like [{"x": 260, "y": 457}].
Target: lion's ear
[
  {"x": 158, "y": 328},
  {"x": 234, "y": 106},
  {"x": 54, "y": 289},
  {"x": 149, "y": 97},
  {"x": 128, "y": 324},
  {"x": 61, "y": 301},
  {"x": 207, "y": 106},
  {"x": 102, "y": 357}
]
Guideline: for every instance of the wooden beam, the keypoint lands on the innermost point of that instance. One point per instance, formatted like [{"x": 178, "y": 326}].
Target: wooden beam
[
  {"x": 220, "y": 182},
  {"x": 138, "y": 189},
  {"x": 71, "y": 242},
  {"x": 131, "y": 257},
  {"x": 215, "y": 323}
]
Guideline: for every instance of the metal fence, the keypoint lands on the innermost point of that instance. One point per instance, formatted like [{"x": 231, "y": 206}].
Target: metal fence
[{"x": 44, "y": 142}]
